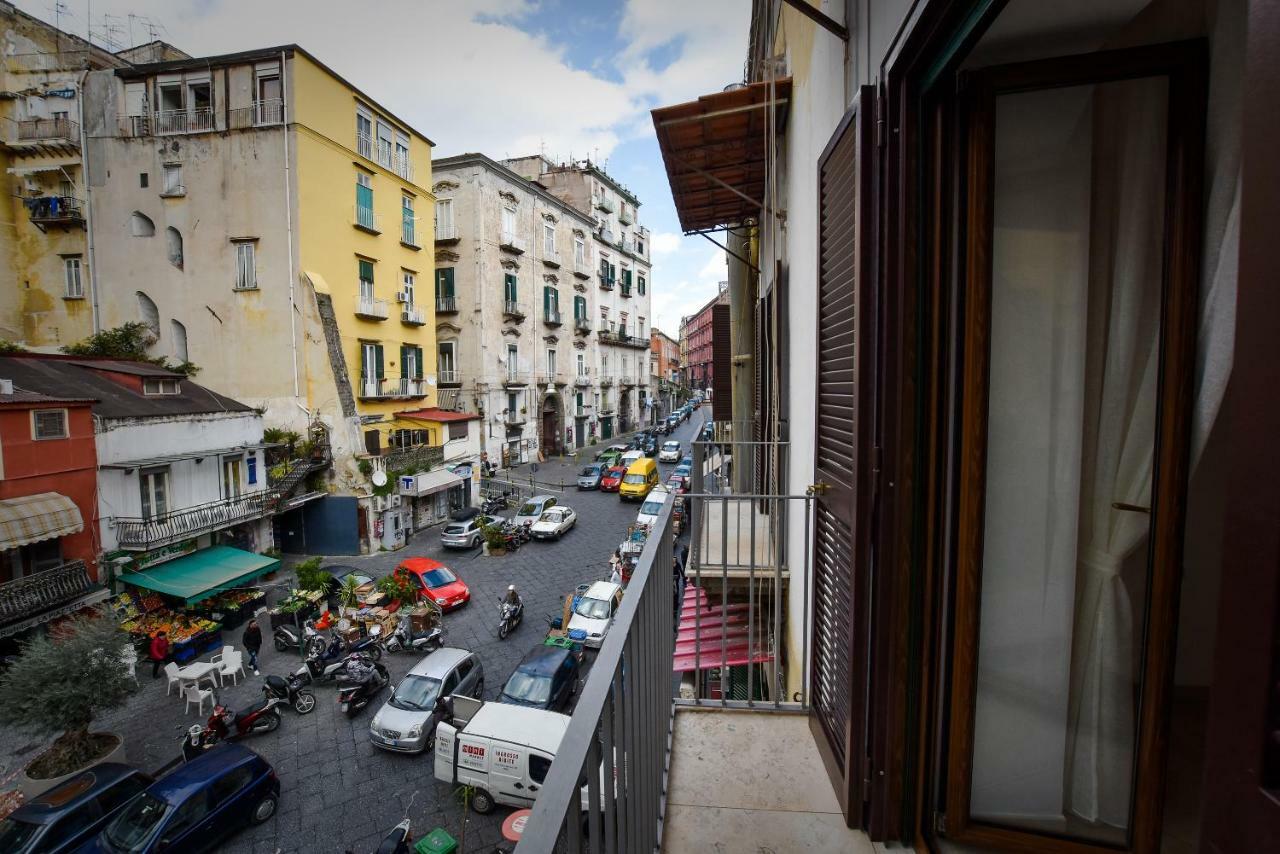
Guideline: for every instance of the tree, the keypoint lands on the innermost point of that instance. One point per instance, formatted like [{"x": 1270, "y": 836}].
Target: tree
[
  {"x": 9, "y": 348},
  {"x": 311, "y": 576},
  {"x": 128, "y": 342},
  {"x": 59, "y": 684}
]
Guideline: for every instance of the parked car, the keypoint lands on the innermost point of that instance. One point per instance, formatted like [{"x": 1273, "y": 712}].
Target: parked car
[
  {"x": 630, "y": 457},
  {"x": 436, "y": 582},
  {"x": 467, "y": 534},
  {"x": 641, "y": 476},
  {"x": 589, "y": 477},
  {"x": 595, "y": 610},
  {"x": 554, "y": 524},
  {"x": 615, "y": 449},
  {"x": 545, "y": 679},
  {"x": 652, "y": 506},
  {"x": 679, "y": 484},
  {"x": 612, "y": 479},
  {"x": 651, "y": 447},
  {"x": 407, "y": 722},
  {"x": 532, "y": 510},
  {"x": 683, "y": 470},
  {"x": 73, "y": 812},
  {"x": 673, "y": 421},
  {"x": 195, "y": 806},
  {"x": 670, "y": 452},
  {"x": 339, "y": 575}
]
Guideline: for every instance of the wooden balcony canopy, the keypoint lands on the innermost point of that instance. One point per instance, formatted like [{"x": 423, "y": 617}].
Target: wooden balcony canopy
[{"x": 715, "y": 150}]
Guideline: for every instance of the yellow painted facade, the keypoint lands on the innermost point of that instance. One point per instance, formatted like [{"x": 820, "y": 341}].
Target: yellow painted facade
[{"x": 335, "y": 237}]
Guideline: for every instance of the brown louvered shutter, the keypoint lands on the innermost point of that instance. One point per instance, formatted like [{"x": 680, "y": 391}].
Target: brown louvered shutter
[{"x": 844, "y": 286}]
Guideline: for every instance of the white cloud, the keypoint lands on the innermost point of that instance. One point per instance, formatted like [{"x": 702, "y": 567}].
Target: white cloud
[{"x": 664, "y": 243}]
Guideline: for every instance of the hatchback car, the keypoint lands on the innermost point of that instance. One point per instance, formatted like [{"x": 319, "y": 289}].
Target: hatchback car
[
  {"x": 436, "y": 582},
  {"x": 683, "y": 470},
  {"x": 554, "y": 524},
  {"x": 69, "y": 814},
  {"x": 589, "y": 477},
  {"x": 532, "y": 510},
  {"x": 679, "y": 484},
  {"x": 407, "y": 722},
  {"x": 652, "y": 506},
  {"x": 195, "y": 806},
  {"x": 467, "y": 534},
  {"x": 616, "y": 449},
  {"x": 611, "y": 480},
  {"x": 544, "y": 679},
  {"x": 670, "y": 452},
  {"x": 594, "y": 610}
]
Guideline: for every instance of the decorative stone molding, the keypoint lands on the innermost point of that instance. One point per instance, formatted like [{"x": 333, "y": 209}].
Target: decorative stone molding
[
  {"x": 512, "y": 331},
  {"x": 444, "y": 186},
  {"x": 580, "y": 287},
  {"x": 551, "y": 279},
  {"x": 577, "y": 232},
  {"x": 446, "y": 326},
  {"x": 549, "y": 217},
  {"x": 550, "y": 339},
  {"x": 508, "y": 197},
  {"x": 580, "y": 344},
  {"x": 510, "y": 264},
  {"x": 444, "y": 256}
]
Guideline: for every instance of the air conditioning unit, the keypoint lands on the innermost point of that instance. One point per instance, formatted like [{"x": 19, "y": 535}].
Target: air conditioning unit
[
  {"x": 379, "y": 503},
  {"x": 393, "y": 501},
  {"x": 402, "y": 297}
]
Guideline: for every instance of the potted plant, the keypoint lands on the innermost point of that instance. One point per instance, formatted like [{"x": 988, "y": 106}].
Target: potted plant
[
  {"x": 349, "y": 592},
  {"x": 494, "y": 541},
  {"x": 58, "y": 686},
  {"x": 398, "y": 588}
]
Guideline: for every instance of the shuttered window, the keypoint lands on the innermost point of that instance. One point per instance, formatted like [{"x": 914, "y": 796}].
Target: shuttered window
[
  {"x": 444, "y": 282},
  {"x": 509, "y": 287}
]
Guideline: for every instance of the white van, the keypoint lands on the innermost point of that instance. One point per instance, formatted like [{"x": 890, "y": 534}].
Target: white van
[
  {"x": 503, "y": 751},
  {"x": 630, "y": 457}
]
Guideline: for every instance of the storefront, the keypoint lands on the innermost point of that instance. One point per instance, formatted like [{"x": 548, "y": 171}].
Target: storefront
[{"x": 432, "y": 496}]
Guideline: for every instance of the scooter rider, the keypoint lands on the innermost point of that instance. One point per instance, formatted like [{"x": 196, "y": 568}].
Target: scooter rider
[
  {"x": 193, "y": 745},
  {"x": 512, "y": 597}
]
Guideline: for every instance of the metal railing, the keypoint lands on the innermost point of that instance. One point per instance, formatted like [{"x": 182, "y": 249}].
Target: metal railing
[
  {"x": 365, "y": 218},
  {"x": 583, "y": 377},
  {"x": 264, "y": 113},
  {"x": 582, "y": 324},
  {"x": 364, "y": 145},
  {"x": 607, "y": 282},
  {"x": 511, "y": 308},
  {"x": 551, "y": 317},
  {"x": 446, "y": 305},
  {"x": 446, "y": 233},
  {"x": 372, "y": 308},
  {"x": 605, "y": 203},
  {"x": 516, "y": 378},
  {"x": 411, "y": 387},
  {"x": 408, "y": 232},
  {"x": 514, "y": 418},
  {"x": 55, "y": 209},
  {"x": 510, "y": 241},
  {"x": 37, "y": 130},
  {"x": 182, "y": 121},
  {"x": 583, "y": 269},
  {"x": 413, "y": 316},
  {"x": 140, "y": 533},
  {"x": 619, "y": 738},
  {"x": 551, "y": 256},
  {"x": 447, "y": 376},
  {"x": 43, "y": 590}
]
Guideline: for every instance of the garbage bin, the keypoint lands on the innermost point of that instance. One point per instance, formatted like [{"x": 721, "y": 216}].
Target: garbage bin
[{"x": 437, "y": 841}]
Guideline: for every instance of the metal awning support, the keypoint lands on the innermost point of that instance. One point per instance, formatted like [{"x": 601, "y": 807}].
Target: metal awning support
[
  {"x": 727, "y": 249},
  {"x": 713, "y": 179},
  {"x": 837, "y": 29}
]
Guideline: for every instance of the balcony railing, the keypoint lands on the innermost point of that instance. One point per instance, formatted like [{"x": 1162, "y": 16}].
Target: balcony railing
[
  {"x": 583, "y": 377},
  {"x": 618, "y": 733},
  {"x": 605, "y": 204},
  {"x": 551, "y": 316},
  {"x": 373, "y": 389},
  {"x": 143, "y": 534},
  {"x": 582, "y": 324},
  {"x": 447, "y": 376},
  {"x": 607, "y": 282},
  {"x": 32, "y": 595},
  {"x": 410, "y": 387},
  {"x": 511, "y": 242},
  {"x": 48, "y": 130},
  {"x": 605, "y": 382},
  {"x": 513, "y": 418},
  {"x": 55, "y": 210},
  {"x": 264, "y": 113},
  {"x": 512, "y": 309},
  {"x": 551, "y": 258},
  {"x": 411, "y": 316},
  {"x": 182, "y": 121},
  {"x": 408, "y": 233},
  {"x": 626, "y": 214},
  {"x": 552, "y": 378},
  {"x": 583, "y": 270},
  {"x": 625, "y": 290},
  {"x": 364, "y": 145},
  {"x": 516, "y": 378},
  {"x": 366, "y": 219},
  {"x": 446, "y": 305},
  {"x": 372, "y": 309},
  {"x": 447, "y": 234}
]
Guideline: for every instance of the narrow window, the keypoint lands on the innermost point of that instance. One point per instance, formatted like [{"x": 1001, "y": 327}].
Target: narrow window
[
  {"x": 246, "y": 265},
  {"x": 269, "y": 108},
  {"x": 366, "y": 280},
  {"x": 172, "y": 185},
  {"x": 549, "y": 240},
  {"x": 178, "y": 336},
  {"x": 407, "y": 222},
  {"x": 154, "y": 486},
  {"x": 231, "y": 477},
  {"x": 579, "y": 252},
  {"x": 364, "y": 202},
  {"x": 508, "y": 224},
  {"x": 364, "y": 132},
  {"x": 140, "y": 225},
  {"x": 406, "y": 290},
  {"x": 71, "y": 269},
  {"x": 173, "y": 239},
  {"x": 150, "y": 315},
  {"x": 444, "y": 220}
]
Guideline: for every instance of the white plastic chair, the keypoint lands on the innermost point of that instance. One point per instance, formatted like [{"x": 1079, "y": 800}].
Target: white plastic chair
[
  {"x": 219, "y": 656},
  {"x": 192, "y": 694},
  {"x": 171, "y": 670},
  {"x": 232, "y": 665}
]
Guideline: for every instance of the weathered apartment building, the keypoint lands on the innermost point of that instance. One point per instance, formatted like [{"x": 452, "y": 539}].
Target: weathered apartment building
[
  {"x": 664, "y": 371},
  {"x": 699, "y": 334}
]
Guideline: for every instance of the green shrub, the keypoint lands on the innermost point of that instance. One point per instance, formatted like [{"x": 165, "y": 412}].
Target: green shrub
[{"x": 310, "y": 576}]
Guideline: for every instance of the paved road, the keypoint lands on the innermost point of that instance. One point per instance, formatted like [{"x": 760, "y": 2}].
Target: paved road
[{"x": 338, "y": 792}]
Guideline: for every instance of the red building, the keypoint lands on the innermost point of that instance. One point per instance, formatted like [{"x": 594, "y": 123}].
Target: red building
[
  {"x": 48, "y": 501},
  {"x": 697, "y": 332}
]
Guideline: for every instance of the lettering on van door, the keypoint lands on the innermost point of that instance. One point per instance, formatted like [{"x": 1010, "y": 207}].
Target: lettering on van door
[
  {"x": 472, "y": 756},
  {"x": 506, "y": 759}
]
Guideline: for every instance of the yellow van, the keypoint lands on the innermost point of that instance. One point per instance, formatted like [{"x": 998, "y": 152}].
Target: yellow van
[{"x": 641, "y": 476}]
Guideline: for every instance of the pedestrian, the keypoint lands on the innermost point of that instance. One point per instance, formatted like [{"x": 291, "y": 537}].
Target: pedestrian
[
  {"x": 252, "y": 640},
  {"x": 159, "y": 652},
  {"x": 615, "y": 568}
]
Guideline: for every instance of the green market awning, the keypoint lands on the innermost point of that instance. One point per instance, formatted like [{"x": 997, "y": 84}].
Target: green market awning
[{"x": 203, "y": 574}]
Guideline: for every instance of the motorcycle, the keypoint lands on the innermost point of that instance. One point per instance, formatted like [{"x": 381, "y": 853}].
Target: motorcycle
[
  {"x": 262, "y": 716},
  {"x": 291, "y": 692},
  {"x": 369, "y": 644},
  {"x": 397, "y": 841},
  {"x": 324, "y": 666},
  {"x": 404, "y": 638},
  {"x": 363, "y": 679},
  {"x": 288, "y": 637},
  {"x": 511, "y": 616},
  {"x": 493, "y": 504}
]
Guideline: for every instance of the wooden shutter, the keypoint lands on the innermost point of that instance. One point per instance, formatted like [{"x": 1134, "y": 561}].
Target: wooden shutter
[
  {"x": 417, "y": 364},
  {"x": 842, "y": 431},
  {"x": 366, "y": 270},
  {"x": 546, "y": 299},
  {"x": 444, "y": 282},
  {"x": 509, "y": 281},
  {"x": 404, "y": 361},
  {"x": 378, "y": 363}
]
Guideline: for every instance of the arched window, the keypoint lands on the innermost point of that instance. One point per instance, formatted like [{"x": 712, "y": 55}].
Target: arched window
[
  {"x": 140, "y": 225},
  {"x": 179, "y": 335},
  {"x": 149, "y": 314},
  {"x": 174, "y": 238}
]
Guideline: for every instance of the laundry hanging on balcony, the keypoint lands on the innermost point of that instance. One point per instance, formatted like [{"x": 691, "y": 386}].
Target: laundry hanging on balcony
[{"x": 33, "y": 518}]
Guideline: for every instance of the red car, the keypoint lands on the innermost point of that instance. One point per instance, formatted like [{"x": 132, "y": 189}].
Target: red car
[
  {"x": 612, "y": 479},
  {"x": 436, "y": 582},
  {"x": 678, "y": 484}
]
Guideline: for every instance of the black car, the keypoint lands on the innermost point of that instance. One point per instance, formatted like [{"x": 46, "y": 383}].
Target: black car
[
  {"x": 545, "y": 679},
  {"x": 338, "y": 581},
  {"x": 71, "y": 813},
  {"x": 651, "y": 447}
]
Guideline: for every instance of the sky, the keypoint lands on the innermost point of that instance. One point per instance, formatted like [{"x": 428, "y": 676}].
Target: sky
[{"x": 567, "y": 78}]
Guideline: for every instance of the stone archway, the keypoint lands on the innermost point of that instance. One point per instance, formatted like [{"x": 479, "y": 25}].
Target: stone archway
[{"x": 551, "y": 424}]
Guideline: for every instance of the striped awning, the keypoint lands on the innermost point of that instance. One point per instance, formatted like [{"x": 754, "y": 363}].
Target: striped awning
[{"x": 33, "y": 518}]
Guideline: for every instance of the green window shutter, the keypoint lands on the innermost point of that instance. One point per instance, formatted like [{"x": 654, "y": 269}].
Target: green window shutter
[
  {"x": 448, "y": 281},
  {"x": 640, "y": 286},
  {"x": 417, "y": 363},
  {"x": 366, "y": 270},
  {"x": 579, "y": 308},
  {"x": 381, "y": 371},
  {"x": 404, "y": 362},
  {"x": 613, "y": 273},
  {"x": 546, "y": 299},
  {"x": 364, "y": 196},
  {"x": 510, "y": 282},
  {"x": 364, "y": 362}
]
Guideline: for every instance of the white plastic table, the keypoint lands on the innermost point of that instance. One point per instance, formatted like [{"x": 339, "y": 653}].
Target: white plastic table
[{"x": 196, "y": 672}]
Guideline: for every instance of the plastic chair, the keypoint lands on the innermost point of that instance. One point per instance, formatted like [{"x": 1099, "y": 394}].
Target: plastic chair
[
  {"x": 192, "y": 694},
  {"x": 219, "y": 656},
  {"x": 232, "y": 665},
  {"x": 171, "y": 671}
]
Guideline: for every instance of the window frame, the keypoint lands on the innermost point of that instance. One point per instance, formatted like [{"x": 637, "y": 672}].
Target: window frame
[
  {"x": 64, "y": 420},
  {"x": 246, "y": 274},
  {"x": 72, "y": 263},
  {"x": 169, "y": 187},
  {"x": 147, "y": 479}
]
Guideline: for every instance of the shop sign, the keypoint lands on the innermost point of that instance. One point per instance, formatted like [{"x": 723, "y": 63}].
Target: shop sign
[
  {"x": 166, "y": 553},
  {"x": 60, "y": 93},
  {"x": 462, "y": 470},
  {"x": 472, "y": 756}
]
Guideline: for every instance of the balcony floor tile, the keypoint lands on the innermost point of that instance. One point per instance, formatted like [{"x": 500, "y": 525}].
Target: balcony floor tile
[{"x": 743, "y": 781}]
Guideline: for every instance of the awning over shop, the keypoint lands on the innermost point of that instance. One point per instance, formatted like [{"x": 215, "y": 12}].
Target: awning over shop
[
  {"x": 33, "y": 518},
  {"x": 428, "y": 483},
  {"x": 715, "y": 150},
  {"x": 203, "y": 574}
]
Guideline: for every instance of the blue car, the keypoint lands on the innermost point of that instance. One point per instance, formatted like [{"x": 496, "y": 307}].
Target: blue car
[
  {"x": 545, "y": 679},
  {"x": 71, "y": 813},
  {"x": 196, "y": 806}
]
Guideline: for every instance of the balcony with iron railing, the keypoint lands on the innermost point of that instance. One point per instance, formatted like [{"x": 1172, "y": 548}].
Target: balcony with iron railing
[
  {"x": 551, "y": 257},
  {"x": 583, "y": 269},
  {"x": 515, "y": 378},
  {"x": 513, "y": 310},
  {"x": 37, "y": 132},
  {"x": 447, "y": 234},
  {"x": 44, "y": 594},
  {"x": 374, "y": 389},
  {"x": 145, "y": 533},
  {"x": 447, "y": 305},
  {"x": 582, "y": 324},
  {"x": 55, "y": 211},
  {"x": 448, "y": 376},
  {"x": 556, "y": 377},
  {"x": 583, "y": 377},
  {"x": 513, "y": 418},
  {"x": 410, "y": 387},
  {"x": 365, "y": 219},
  {"x": 268, "y": 112},
  {"x": 551, "y": 316},
  {"x": 409, "y": 233},
  {"x": 369, "y": 308},
  {"x": 626, "y": 214},
  {"x": 512, "y": 242},
  {"x": 607, "y": 282},
  {"x": 165, "y": 122},
  {"x": 605, "y": 203},
  {"x": 412, "y": 316}
]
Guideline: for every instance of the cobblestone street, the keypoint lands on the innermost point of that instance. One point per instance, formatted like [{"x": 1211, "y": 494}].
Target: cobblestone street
[{"x": 338, "y": 792}]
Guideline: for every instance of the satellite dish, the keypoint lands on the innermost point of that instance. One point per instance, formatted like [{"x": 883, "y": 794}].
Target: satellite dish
[{"x": 379, "y": 478}]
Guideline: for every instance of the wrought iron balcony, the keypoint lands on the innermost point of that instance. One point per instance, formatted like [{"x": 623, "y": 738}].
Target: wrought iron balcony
[
  {"x": 44, "y": 594},
  {"x": 583, "y": 270},
  {"x": 446, "y": 305},
  {"x": 164, "y": 122},
  {"x": 145, "y": 533},
  {"x": 56, "y": 211},
  {"x": 366, "y": 220},
  {"x": 447, "y": 234},
  {"x": 410, "y": 387},
  {"x": 582, "y": 324},
  {"x": 583, "y": 377},
  {"x": 448, "y": 377},
  {"x": 605, "y": 203},
  {"x": 411, "y": 316},
  {"x": 513, "y": 419},
  {"x": 512, "y": 309},
  {"x": 33, "y": 132},
  {"x": 265, "y": 113},
  {"x": 372, "y": 309},
  {"x": 607, "y": 282},
  {"x": 551, "y": 316},
  {"x": 551, "y": 257}
]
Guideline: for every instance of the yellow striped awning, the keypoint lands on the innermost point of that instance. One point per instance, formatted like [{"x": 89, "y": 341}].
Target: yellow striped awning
[{"x": 33, "y": 518}]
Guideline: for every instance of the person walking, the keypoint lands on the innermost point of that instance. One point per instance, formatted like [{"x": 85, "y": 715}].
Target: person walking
[
  {"x": 252, "y": 640},
  {"x": 159, "y": 653}
]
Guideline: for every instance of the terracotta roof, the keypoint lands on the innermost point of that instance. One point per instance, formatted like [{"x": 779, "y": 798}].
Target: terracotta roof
[{"x": 433, "y": 414}]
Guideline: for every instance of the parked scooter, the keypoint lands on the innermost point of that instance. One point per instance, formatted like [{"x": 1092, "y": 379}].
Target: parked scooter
[
  {"x": 324, "y": 666},
  {"x": 288, "y": 637},
  {"x": 290, "y": 692},
  {"x": 370, "y": 644},
  {"x": 493, "y": 504},
  {"x": 224, "y": 723},
  {"x": 362, "y": 680},
  {"x": 404, "y": 639},
  {"x": 193, "y": 743},
  {"x": 397, "y": 841},
  {"x": 511, "y": 616}
]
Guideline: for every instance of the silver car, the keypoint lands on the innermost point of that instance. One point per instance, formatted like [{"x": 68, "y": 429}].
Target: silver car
[
  {"x": 407, "y": 722},
  {"x": 467, "y": 534}
]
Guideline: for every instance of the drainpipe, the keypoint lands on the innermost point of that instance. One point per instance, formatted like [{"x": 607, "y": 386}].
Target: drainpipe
[
  {"x": 742, "y": 333},
  {"x": 88, "y": 204},
  {"x": 288, "y": 219}
]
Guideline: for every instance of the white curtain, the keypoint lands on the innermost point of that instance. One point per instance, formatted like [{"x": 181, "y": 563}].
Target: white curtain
[{"x": 1126, "y": 239}]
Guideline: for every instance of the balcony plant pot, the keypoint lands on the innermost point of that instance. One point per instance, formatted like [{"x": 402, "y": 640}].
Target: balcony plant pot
[{"x": 33, "y": 786}]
